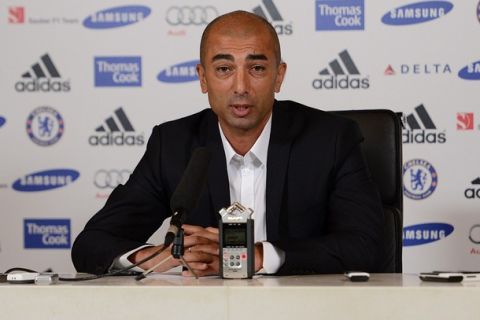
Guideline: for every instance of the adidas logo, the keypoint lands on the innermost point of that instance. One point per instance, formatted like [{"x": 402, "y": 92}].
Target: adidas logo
[
  {"x": 341, "y": 74},
  {"x": 117, "y": 131},
  {"x": 43, "y": 76},
  {"x": 416, "y": 134},
  {"x": 472, "y": 193},
  {"x": 276, "y": 18}
]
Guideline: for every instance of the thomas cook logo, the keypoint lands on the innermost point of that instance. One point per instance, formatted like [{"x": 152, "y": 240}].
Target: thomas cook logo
[
  {"x": 46, "y": 233},
  {"x": 425, "y": 233},
  {"x": 341, "y": 74},
  {"x": 471, "y": 71},
  {"x": 46, "y": 180},
  {"x": 421, "y": 128},
  {"x": 181, "y": 72},
  {"x": 117, "y": 131},
  {"x": 419, "y": 179},
  {"x": 272, "y": 14},
  {"x": 45, "y": 126},
  {"x": 418, "y": 12},
  {"x": 340, "y": 15},
  {"x": 118, "y": 71},
  {"x": 116, "y": 17},
  {"x": 44, "y": 77}
]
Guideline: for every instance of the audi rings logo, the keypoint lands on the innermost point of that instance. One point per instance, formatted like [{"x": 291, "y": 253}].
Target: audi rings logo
[
  {"x": 110, "y": 178},
  {"x": 186, "y": 16},
  {"x": 474, "y": 234}
]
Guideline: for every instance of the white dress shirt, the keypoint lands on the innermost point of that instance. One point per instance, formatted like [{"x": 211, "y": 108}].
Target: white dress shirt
[{"x": 247, "y": 176}]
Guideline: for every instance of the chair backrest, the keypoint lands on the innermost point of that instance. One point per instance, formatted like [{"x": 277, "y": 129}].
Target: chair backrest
[{"x": 382, "y": 130}]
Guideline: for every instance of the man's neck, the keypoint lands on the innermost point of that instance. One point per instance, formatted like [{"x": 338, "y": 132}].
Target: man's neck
[{"x": 243, "y": 140}]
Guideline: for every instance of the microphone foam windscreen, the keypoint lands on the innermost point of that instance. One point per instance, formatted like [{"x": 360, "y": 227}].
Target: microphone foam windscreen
[{"x": 194, "y": 178}]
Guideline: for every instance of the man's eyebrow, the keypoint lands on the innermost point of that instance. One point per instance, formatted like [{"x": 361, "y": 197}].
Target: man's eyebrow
[
  {"x": 222, "y": 56},
  {"x": 257, "y": 57},
  {"x": 226, "y": 56}
]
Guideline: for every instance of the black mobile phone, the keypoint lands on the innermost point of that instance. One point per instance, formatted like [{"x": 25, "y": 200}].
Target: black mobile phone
[{"x": 441, "y": 276}]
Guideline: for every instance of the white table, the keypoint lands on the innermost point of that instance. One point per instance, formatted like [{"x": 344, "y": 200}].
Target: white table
[{"x": 330, "y": 297}]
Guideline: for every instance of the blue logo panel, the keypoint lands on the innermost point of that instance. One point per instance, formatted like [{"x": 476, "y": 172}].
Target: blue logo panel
[
  {"x": 182, "y": 72},
  {"x": 45, "y": 180},
  {"x": 2, "y": 121},
  {"x": 339, "y": 15},
  {"x": 425, "y": 233},
  {"x": 118, "y": 71},
  {"x": 46, "y": 233},
  {"x": 417, "y": 13},
  {"x": 45, "y": 126},
  {"x": 420, "y": 179},
  {"x": 471, "y": 71},
  {"x": 116, "y": 17}
]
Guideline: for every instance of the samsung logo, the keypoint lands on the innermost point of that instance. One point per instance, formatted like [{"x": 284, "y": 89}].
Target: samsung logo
[
  {"x": 46, "y": 180},
  {"x": 471, "y": 71},
  {"x": 417, "y": 13},
  {"x": 116, "y": 17},
  {"x": 182, "y": 72},
  {"x": 46, "y": 233},
  {"x": 425, "y": 233}
]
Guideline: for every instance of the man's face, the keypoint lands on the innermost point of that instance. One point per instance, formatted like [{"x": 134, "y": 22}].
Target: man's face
[{"x": 241, "y": 75}]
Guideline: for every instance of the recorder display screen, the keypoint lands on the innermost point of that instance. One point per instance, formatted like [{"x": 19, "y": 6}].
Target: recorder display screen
[{"x": 235, "y": 235}]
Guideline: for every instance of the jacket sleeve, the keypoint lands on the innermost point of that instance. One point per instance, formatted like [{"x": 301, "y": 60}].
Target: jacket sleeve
[
  {"x": 132, "y": 213},
  {"x": 351, "y": 238}
]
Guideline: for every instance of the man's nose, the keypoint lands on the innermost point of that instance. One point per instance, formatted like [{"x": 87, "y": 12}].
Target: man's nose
[{"x": 241, "y": 85}]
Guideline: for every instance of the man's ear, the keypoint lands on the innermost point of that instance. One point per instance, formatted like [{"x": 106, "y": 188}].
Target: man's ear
[
  {"x": 281, "y": 71},
  {"x": 201, "y": 77}
]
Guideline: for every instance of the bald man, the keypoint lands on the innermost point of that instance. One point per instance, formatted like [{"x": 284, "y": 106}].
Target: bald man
[{"x": 300, "y": 169}]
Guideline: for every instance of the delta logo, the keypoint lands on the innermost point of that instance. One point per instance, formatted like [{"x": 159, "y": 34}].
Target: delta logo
[
  {"x": 181, "y": 72},
  {"x": 420, "y": 128},
  {"x": 42, "y": 77},
  {"x": 45, "y": 180},
  {"x": 272, "y": 14},
  {"x": 117, "y": 131},
  {"x": 46, "y": 233},
  {"x": 418, "y": 69},
  {"x": 116, "y": 17},
  {"x": 118, "y": 71},
  {"x": 341, "y": 73},
  {"x": 424, "y": 233},
  {"x": 2, "y": 121},
  {"x": 339, "y": 15},
  {"x": 418, "y": 12},
  {"x": 473, "y": 192},
  {"x": 470, "y": 71}
]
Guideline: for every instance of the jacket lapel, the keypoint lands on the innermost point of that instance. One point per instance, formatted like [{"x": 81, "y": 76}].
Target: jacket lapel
[
  {"x": 285, "y": 125},
  {"x": 218, "y": 186}
]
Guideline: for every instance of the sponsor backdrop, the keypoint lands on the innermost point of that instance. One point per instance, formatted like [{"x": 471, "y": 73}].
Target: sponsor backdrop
[{"x": 82, "y": 85}]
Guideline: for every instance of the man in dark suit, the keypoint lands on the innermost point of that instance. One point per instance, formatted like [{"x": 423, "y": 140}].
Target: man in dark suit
[{"x": 300, "y": 169}]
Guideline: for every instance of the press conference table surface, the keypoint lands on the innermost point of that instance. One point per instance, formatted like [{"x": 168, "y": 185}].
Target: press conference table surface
[{"x": 332, "y": 297}]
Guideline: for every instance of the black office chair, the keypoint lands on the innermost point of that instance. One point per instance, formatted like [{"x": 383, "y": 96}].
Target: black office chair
[{"x": 382, "y": 130}]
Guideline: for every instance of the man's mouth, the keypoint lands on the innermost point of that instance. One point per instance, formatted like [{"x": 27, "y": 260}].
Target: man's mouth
[{"x": 240, "y": 110}]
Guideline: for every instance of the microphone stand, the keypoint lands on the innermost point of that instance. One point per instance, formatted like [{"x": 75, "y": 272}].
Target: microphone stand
[{"x": 178, "y": 249}]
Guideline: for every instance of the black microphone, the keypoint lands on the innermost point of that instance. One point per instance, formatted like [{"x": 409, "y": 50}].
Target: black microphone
[{"x": 186, "y": 195}]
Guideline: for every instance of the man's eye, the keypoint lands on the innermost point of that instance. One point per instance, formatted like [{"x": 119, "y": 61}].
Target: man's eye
[
  {"x": 258, "y": 68},
  {"x": 223, "y": 69}
]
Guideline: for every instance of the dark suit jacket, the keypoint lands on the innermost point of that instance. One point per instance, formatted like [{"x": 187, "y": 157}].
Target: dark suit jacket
[{"x": 322, "y": 208}]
